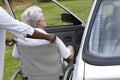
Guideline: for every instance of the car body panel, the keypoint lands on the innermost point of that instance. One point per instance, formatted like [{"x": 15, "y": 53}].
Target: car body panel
[
  {"x": 78, "y": 73},
  {"x": 93, "y": 72},
  {"x": 87, "y": 71}
]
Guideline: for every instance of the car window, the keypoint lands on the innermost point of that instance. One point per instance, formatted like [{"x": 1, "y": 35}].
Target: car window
[{"x": 105, "y": 35}]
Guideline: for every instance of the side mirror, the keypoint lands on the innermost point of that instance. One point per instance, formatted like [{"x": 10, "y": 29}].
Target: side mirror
[{"x": 70, "y": 19}]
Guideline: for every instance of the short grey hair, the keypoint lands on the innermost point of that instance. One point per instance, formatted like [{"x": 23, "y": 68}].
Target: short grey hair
[{"x": 31, "y": 15}]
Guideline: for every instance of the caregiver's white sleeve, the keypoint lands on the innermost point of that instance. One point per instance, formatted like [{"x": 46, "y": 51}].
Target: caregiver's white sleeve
[{"x": 16, "y": 27}]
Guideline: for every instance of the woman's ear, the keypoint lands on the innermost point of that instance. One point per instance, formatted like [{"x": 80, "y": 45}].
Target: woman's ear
[{"x": 39, "y": 22}]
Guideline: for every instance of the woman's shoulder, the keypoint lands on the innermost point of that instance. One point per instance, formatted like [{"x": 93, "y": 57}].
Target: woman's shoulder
[{"x": 41, "y": 30}]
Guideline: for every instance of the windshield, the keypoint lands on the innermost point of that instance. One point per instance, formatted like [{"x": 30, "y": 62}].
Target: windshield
[{"x": 105, "y": 35}]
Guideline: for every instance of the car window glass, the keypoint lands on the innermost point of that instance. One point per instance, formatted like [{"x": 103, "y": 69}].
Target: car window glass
[{"x": 105, "y": 35}]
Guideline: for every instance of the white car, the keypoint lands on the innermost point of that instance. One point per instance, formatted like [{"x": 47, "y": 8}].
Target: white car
[{"x": 99, "y": 53}]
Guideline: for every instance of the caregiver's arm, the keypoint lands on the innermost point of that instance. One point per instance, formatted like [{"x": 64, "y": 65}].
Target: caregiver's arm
[{"x": 39, "y": 35}]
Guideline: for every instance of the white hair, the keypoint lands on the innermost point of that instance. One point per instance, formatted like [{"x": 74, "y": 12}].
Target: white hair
[{"x": 31, "y": 15}]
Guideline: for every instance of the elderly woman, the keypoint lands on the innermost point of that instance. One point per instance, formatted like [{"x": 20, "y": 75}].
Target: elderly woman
[{"x": 34, "y": 17}]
